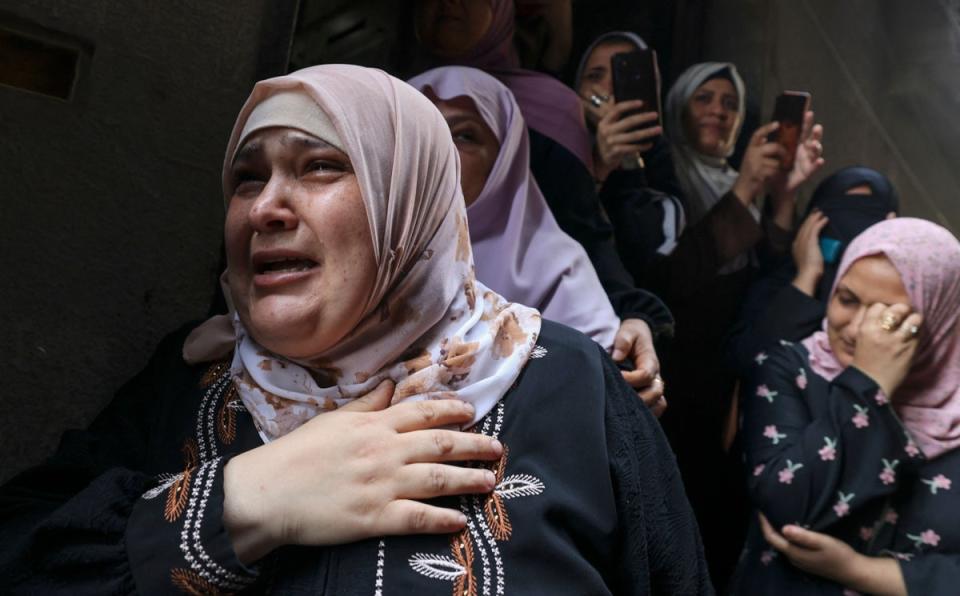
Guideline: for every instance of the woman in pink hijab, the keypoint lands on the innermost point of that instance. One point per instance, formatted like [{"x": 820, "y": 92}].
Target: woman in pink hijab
[
  {"x": 383, "y": 423},
  {"x": 851, "y": 436}
]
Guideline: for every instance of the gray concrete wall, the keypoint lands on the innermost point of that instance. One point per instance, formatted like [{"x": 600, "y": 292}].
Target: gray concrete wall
[
  {"x": 885, "y": 78},
  {"x": 110, "y": 204}
]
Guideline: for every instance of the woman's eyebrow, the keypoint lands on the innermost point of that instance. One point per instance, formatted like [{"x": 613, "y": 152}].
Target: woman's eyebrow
[
  {"x": 848, "y": 291},
  {"x": 248, "y": 151},
  {"x": 305, "y": 142},
  {"x": 461, "y": 118}
]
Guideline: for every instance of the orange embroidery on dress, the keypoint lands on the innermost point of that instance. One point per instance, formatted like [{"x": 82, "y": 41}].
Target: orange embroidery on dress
[
  {"x": 494, "y": 507},
  {"x": 213, "y": 373},
  {"x": 190, "y": 582},
  {"x": 227, "y": 417},
  {"x": 179, "y": 491},
  {"x": 462, "y": 549}
]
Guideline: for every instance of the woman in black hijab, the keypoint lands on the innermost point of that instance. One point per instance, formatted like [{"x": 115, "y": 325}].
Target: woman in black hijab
[{"x": 789, "y": 301}]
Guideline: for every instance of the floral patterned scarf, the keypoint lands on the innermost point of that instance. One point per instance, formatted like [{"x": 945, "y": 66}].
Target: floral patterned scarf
[{"x": 428, "y": 324}]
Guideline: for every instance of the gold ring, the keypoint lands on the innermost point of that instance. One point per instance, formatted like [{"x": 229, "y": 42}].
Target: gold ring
[{"x": 889, "y": 322}]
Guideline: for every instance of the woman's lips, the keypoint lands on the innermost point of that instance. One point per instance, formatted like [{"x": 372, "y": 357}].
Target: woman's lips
[
  {"x": 279, "y": 277},
  {"x": 279, "y": 267},
  {"x": 717, "y": 128}
]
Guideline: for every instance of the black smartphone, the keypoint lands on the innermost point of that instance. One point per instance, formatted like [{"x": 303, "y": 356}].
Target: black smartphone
[
  {"x": 788, "y": 111},
  {"x": 636, "y": 76}
]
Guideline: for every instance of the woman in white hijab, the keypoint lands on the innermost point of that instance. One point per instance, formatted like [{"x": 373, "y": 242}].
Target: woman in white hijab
[{"x": 281, "y": 468}]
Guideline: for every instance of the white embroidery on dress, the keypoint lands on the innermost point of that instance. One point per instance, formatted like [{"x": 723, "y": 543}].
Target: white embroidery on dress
[
  {"x": 190, "y": 537},
  {"x": 520, "y": 485},
  {"x": 481, "y": 511},
  {"x": 491, "y": 542},
  {"x": 437, "y": 566},
  {"x": 166, "y": 480},
  {"x": 381, "y": 557}
]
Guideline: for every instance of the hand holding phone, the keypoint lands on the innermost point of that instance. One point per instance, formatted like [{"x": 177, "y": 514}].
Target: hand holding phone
[
  {"x": 636, "y": 76},
  {"x": 789, "y": 110}
]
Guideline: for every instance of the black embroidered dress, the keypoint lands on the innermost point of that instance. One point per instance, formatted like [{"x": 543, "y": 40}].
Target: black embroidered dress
[{"x": 588, "y": 499}]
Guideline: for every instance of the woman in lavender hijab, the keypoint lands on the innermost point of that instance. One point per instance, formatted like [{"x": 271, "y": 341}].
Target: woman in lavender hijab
[
  {"x": 519, "y": 249},
  {"x": 480, "y": 34}
]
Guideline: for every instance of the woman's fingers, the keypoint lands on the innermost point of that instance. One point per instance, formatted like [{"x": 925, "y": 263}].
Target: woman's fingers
[
  {"x": 419, "y": 415},
  {"x": 910, "y": 328},
  {"x": 660, "y": 407},
  {"x": 773, "y": 537},
  {"x": 806, "y": 129},
  {"x": 428, "y": 481},
  {"x": 812, "y": 225},
  {"x": 653, "y": 393},
  {"x": 774, "y": 150},
  {"x": 602, "y": 94},
  {"x": 404, "y": 517},
  {"x": 448, "y": 445},
  {"x": 874, "y": 311},
  {"x": 893, "y": 316},
  {"x": 636, "y": 136},
  {"x": 632, "y": 121},
  {"x": 760, "y": 135},
  {"x": 802, "y": 537},
  {"x": 591, "y": 109},
  {"x": 376, "y": 400},
  {"x": 819, "y": 223}
]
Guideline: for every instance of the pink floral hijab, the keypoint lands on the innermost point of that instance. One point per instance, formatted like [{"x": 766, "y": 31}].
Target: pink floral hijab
[
  {"x": 927, "y": 257},
  {"x": 428, "y": 324}
]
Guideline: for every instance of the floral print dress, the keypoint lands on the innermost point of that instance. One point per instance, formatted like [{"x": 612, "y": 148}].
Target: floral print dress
[{"x": 835, "y": 458}]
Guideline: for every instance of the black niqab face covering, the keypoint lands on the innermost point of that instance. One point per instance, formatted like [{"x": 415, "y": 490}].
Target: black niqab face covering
[{"x": 849, "y": 214}]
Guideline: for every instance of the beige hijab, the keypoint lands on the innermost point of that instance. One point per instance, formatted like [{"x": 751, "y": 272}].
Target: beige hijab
[{"x": 428, "y": 324}]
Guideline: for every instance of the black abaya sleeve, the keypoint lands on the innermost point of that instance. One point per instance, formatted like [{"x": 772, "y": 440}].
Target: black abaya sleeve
[
  {"x": 657, "y": 525},
  {"x": 567, "y": 187},
  {"x": 80, "y": 523}
]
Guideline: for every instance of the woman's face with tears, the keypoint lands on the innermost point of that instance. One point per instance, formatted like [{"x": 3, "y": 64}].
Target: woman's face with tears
[{"x": 300, "y": 256}]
